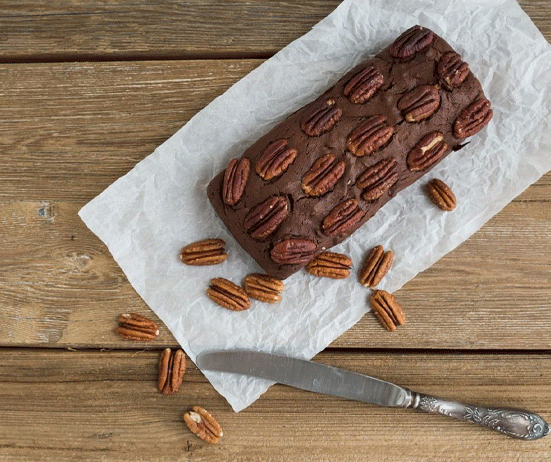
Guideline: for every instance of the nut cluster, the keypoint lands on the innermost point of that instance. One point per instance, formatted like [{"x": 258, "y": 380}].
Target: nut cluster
[
  {"x": 370, "y": 145},
  {"x": 172, "y": 368},
  {"x": 366, "y": 145},
  {"x": 261, "y": 221},
  {"x": 384, "y": 171}
]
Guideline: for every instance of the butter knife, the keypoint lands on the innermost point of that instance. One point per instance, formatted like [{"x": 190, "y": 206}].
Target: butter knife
[{"x": 329, "y": 380}]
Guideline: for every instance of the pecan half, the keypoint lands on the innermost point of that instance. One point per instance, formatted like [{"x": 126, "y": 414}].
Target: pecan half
[
  {"x": 473, "y": 118},
  {"x": 330, "y": 265},
  {"x": 323, "y": 175},
  {"x": 363, "y": 85},
  {"x": 420, "y": 103},
  {"x": 378, "y": 179},
  {"x": 376, "y": 265},
  {"x": 452, "y": 70},
  {"x": 343, "y": 217},
  {"x": 293, "y": 251},
  {"x": 205, "y": 252},
  {"x": 411, "y": 42},
  {"x": 265, "y": 218},
  {"x": 320, "y": 117},
  {"x": 235, "y": 179},
  {"x": 441, "y": 195},
  {"x": 369, "y": 136},
  {"x": 133, "y": 326},
  {"x": 387, "y": 310},
  {"x": 203, "y": 424},
  {"x": 427, "y": 151},
  {"x": 172, "y": 367},
  {"x": 263, "y": 287},
  {"x": 275, "y": 159},
  {"x": 228, "y": 295}
]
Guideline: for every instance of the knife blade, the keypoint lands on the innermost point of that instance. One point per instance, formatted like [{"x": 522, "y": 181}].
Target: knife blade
[
  {"x": 306, "y": 375},
  {"x": 329, "y": 380}
]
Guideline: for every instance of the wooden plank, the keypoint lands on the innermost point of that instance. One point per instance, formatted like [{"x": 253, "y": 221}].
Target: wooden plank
[
  {"x": 70, "y": 129},
  {"x": 78, "y": 30},
  {"x": 70, "y": 29},
  {"x": 60, "y": 287},
  {"x": 84, "y": 405}
]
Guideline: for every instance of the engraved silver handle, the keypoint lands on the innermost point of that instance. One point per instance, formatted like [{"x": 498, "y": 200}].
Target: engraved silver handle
[{"x": 512, "y": 422}]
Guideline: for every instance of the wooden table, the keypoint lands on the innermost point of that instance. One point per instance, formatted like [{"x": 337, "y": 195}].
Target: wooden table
[{"x": 91, "y": 88}]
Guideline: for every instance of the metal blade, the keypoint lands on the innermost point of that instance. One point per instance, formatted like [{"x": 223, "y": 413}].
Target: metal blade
[{"x": 306, "y": 375}]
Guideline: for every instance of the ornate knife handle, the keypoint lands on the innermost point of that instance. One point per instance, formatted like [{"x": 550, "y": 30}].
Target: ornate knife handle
[{"x": 513, "y": 422}]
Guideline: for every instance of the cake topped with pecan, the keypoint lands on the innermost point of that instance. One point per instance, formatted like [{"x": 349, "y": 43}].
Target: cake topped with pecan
[{"x": 319, "y": 175}]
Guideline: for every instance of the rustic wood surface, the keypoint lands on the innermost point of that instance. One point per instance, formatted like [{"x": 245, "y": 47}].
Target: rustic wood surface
[
  {"x": 81, "y": 405},
  {"x": 91, "y": 88}
]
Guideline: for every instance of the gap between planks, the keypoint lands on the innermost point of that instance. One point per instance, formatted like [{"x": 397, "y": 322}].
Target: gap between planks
[
  {"x": 330, "y": 350},
  {"x": 100, "y": 58}
]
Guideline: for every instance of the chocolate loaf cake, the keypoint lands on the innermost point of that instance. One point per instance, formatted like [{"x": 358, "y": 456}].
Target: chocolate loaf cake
[{"x": 326, "y": 169}]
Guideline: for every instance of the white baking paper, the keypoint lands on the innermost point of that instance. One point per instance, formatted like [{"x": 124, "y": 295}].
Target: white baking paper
[{"x": 146, "y": 216}]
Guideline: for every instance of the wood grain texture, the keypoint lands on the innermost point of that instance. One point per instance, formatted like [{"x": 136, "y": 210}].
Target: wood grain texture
[
  {"x": 91, "y": 88},
  {"x": 60, "y": 287},
  {"x": 105, "y": 406},
  {"x": 71, "y": 30},
  {"x": 70, "y": 129}
]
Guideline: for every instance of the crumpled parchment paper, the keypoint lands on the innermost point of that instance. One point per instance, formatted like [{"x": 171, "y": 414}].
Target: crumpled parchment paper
[{"x": 146, "y": 216}]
